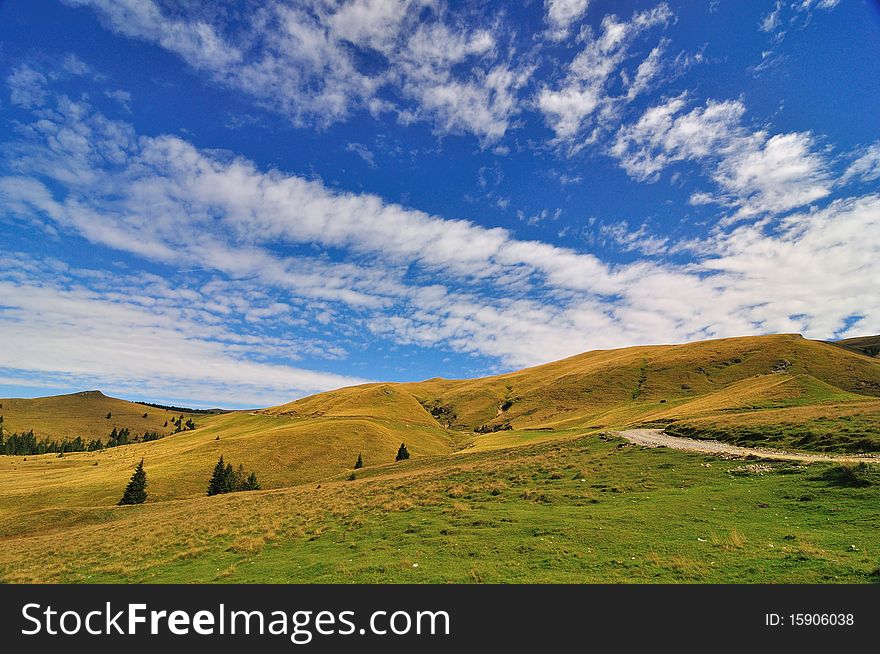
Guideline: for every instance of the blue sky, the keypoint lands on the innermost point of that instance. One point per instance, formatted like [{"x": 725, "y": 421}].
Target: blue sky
[{"x": 240, "y": 203}]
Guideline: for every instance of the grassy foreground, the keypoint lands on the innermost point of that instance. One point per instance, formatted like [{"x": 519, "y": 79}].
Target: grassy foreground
[{"x": 583, "y": 509}]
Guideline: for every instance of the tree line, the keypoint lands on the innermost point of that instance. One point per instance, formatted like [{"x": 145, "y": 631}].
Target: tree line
[
  {"x": 171, "y": 407},
  {"x": 26, "y": 443}
]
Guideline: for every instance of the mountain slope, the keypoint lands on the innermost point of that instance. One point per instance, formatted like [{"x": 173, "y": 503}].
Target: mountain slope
[
  {"x": 867, "y": 345},
  {"x": 554, "y": 486},
  {"x": 631, "y": 381},
  {"x": 783, "y": 389}
]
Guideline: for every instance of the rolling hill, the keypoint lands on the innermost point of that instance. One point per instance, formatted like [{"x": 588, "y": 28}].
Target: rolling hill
[
  {"x": 773, "y": 390},
  {"x": 89, "y": 414},
  {"x": 781, "y": 390},
  {"x": 867, "y": 345}
]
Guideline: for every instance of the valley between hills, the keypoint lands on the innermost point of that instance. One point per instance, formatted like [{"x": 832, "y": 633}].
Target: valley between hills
[{"x": 521, "y": 477}]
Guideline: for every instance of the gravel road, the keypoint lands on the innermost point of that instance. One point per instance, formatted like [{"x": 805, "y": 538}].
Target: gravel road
[{"x": 656, "y": 438}]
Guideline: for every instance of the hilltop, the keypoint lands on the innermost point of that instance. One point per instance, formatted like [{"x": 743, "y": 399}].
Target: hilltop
[{"x": 88, "y": 414}]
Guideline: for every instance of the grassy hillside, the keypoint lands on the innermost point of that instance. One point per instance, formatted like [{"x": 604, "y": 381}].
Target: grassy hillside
[
  {"x": 620, "y": 386},
  {"x": 84, "y": 414},
  {"x": 586, "y": 509},
  {"x": 283, "y": 451},
  {"x": 867, "y": 345},
  {"x": 510, "y": 479}
]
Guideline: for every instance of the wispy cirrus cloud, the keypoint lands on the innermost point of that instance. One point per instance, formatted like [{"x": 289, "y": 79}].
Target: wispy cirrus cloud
[
  {"x": 319, "y": 61},
  {"x": 785, "y": 14},
  {"x": 866, "y": 165},
  {"x": 137, "y": 334}
]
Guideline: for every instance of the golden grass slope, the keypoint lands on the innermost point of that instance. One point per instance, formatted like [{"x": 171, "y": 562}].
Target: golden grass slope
[
  {"x": 303, "y": 451},
  {"x": 615, "y": 386},
  {"x": 374, "y": 401},
  {"x": 283, "y": 451},
  {"x": 62, "y": 417},
  {"x": 783, "y": 378}
]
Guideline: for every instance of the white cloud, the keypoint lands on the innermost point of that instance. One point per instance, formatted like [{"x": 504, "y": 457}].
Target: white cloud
[
  {"x": 633, "y": 240},
  {"x": 120, "y": 96},
  {"x": 809, "y": 276},
  {"x": 792, "y": 13},
  {"x": 866, "y": 167},
  {"x": 773, "y": 175},
  {"x": 663, "y": 135},
  {"x": 195, "y": 40},
  {"x": 771, "y": 21},
  {"x": 76, "y": 66},
  {"x": 149, "y": 194},
  {"x": 263, "y": 238},
  {"x": 570, "y": 108},
  {"x": 756, "y": 172},
  {"x": 302, "y": 59},
  {"x": 363, "y": 152},
  {"x": 139, "y": 335},
  {"x": 561, "y": 14},
  {"x": 27, "y": 87},
  {"x": 647, "y": 71}
]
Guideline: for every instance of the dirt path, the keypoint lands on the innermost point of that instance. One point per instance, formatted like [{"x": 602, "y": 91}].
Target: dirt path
[{"x": 656, "y": 438}]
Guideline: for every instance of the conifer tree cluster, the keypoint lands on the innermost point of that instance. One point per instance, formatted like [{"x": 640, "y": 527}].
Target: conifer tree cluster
[
  {"x": 402, "y": 453},
  {"x": 118, "y": 437},
  {"x": 180, "y": 425},
  {"x": 27, "y": 443},
  {"x": 226, "y": 479},
  {"x": 136, "y": 491}
]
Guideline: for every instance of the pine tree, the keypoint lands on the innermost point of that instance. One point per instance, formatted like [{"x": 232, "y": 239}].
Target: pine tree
[
  {"x": 229, "y": 479},
  {"x": 402, "y": 453},
  {"x": 238, "y": 479},
  {"x": 136, "y": 491},
  {"x": 360, "y": 462},
  {"x": 217, "y": 483},
  {"x": 190, "y": 424},
  {"x": 251, "y": 483}
]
